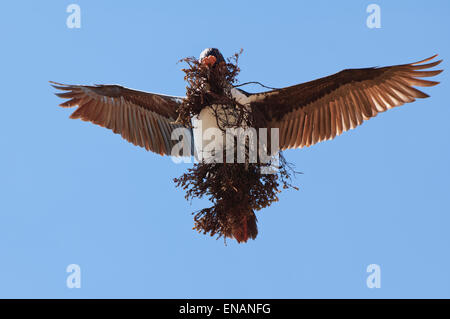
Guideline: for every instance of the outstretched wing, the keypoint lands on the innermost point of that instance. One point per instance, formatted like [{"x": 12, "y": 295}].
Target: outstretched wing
[
  {"x": 320, "y": 110},
  {"x": 142, "y": 118}
]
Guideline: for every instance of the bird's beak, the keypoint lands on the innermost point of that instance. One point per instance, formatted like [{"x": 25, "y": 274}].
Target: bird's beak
[{"x": 209, "y": 61}]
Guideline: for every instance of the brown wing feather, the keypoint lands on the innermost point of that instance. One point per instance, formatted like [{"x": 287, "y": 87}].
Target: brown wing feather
[
  {"x": 144, "y": 119},
  {"x": 324, "y": 108}
]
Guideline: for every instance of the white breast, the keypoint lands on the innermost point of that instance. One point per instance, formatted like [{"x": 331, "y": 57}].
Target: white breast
[{"x": 207, "y": 134}]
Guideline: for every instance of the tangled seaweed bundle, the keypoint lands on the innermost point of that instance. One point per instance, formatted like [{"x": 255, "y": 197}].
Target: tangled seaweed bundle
[
  {"x": 207, "y": 86},
  {"x": 236, "y": 190}
]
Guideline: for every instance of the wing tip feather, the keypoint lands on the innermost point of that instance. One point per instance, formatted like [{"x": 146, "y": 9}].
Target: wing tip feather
[{"x": 428, "y": 59}]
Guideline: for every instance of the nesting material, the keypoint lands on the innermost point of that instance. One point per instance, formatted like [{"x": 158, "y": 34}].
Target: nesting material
[{"x": 237, "y": 190}]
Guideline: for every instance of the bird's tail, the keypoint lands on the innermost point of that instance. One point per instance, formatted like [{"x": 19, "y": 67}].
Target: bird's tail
[{"x": 244, "y": 226}]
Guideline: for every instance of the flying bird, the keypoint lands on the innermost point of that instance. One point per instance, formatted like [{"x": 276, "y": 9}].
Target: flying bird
[{"x": 304, "y": 114}]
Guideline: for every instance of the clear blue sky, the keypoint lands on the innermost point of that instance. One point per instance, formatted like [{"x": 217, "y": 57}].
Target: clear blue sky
[{"x": 75, "y": 193}]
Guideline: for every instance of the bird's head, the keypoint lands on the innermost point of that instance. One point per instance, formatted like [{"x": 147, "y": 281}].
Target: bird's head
[{"x": 211, "y": 57}]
